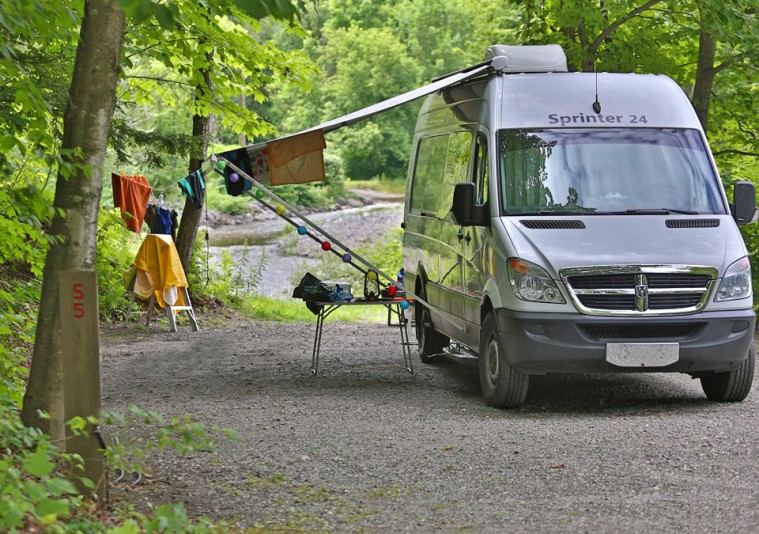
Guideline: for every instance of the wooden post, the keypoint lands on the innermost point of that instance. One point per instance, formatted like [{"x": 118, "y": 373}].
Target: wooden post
[{"x": 81, "y": 372}]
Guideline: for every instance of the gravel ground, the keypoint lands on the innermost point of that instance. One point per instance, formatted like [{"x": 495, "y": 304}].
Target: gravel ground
[{"x": 367, "y": 446}]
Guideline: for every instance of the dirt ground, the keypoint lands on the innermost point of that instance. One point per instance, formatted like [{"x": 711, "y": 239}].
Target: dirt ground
[{"x": 367, "y": 446}]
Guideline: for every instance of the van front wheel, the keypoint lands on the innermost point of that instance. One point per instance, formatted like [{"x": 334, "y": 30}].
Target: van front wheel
[
  {"x": 731, "y": 386},
  {"x": 502, "y": 386}
]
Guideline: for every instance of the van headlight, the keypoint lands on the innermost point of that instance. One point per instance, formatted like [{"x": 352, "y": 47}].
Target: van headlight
[
  {"x": 736, "y": 284},
  {"x": 532, "y": 283}
]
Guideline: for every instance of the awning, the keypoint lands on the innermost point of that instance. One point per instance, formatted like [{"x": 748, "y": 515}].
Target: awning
[{"x": 297, "y": 158}]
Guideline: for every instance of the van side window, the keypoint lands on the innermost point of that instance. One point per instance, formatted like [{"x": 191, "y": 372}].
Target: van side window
[
  {"x": 441, "y": 163},
  {"x": 481, "y": 172}
]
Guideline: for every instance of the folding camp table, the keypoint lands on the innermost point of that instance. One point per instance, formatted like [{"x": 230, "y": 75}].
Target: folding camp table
[{"x": 393, "y": 306}]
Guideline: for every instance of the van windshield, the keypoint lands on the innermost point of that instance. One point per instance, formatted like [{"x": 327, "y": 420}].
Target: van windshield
[{"x": 606, "y": 171}]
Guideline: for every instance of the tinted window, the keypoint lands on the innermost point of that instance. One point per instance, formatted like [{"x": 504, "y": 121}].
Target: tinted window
[
  {"x": 606, "y": 170},
  {"x": 441, "y": 163}
]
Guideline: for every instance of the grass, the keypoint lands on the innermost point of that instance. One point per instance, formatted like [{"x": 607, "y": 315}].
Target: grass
[
  {"x": 284, "y": 311},
  {"x": 383, "y": 185}
]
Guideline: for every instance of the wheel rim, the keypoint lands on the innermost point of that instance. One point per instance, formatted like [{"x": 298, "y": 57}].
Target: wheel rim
[{"x": 492, "y": 362}]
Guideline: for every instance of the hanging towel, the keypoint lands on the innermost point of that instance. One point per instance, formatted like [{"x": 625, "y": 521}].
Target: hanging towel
[
  {"x": 194, "y": 187},
  {"x": 131, "y": 194}
]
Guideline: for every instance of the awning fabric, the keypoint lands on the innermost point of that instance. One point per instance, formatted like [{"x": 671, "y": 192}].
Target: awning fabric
[
  {"x": 297, "y": 161},
  {"x": 298, "y": 158}
]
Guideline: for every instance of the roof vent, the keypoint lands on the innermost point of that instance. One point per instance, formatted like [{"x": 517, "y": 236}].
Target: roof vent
[{"x": 531, "y": 58}]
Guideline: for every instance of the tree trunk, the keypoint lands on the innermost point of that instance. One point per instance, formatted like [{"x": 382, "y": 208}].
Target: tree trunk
[
  {"x": 188, "y": 227},
  {"x": 705, "y": 73},
  {"x": 92, "y": 98}
]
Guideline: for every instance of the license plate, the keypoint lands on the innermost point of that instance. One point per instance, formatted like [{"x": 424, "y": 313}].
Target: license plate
[{"x": 642, "y": 354}]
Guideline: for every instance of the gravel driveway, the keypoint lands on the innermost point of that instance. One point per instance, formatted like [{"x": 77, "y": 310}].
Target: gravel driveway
[{"x": 366, "y": 446}]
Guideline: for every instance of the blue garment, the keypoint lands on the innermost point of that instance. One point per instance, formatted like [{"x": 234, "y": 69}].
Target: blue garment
[{"x": 162, "y": 223}]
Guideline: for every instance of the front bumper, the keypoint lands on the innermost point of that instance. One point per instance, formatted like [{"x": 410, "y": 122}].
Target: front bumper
[{"x": 539, "y": 343}]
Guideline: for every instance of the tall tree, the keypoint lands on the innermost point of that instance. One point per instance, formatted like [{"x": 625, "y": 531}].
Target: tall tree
[
  {"x": 213, "y": 50},
  {"x": 91, "y": 102},
  {"x": 200, "y": 131}
]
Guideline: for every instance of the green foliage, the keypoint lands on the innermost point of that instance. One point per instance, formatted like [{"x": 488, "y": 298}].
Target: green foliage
[
  {"x": 397, "y": 187},
  {"x": 18, "y": 312},
  {"x": 37, "y": 43},
  {"x": 268, "y": 309},
  {"x": 371, "y": 51},
  {"x": 179, "y": 434},
  {"x": 227, "y": 281},
  {"x": 208, "y": 39},
  {"x": 35, "y": 495},
  {"x": 117, "y": 248},
  {"x": 25, "y": 213}
]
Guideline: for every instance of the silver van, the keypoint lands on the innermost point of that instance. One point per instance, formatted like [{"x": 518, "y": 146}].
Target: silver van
[{"x": 563, "y": 222}]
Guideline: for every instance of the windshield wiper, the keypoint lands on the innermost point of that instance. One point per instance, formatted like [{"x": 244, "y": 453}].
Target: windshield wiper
[
  {"x": 578, "y": 211},
  {"x": 655, "y": 211}
]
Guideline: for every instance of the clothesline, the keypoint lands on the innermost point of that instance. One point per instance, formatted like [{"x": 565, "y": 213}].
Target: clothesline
[{"x": 133, "y": 195}]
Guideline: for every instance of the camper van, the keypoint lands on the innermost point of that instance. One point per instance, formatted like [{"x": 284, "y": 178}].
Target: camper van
[{"x": 561, "y": 222}]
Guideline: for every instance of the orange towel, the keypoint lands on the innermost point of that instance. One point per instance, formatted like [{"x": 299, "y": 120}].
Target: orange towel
[{"x": 131, "y": 194}]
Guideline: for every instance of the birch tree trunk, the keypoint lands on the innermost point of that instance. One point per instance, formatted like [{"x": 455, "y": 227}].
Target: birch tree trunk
[{"x": 92, "y": 97}]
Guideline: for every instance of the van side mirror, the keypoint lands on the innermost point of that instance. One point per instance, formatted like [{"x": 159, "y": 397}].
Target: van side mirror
[
  {"x": 465, "y": 211},
  {"x": 744, "y": 203},
  {"x": 463, "y": 203}
]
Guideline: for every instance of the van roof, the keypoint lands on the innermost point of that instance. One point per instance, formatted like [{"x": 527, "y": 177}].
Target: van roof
[
  {"x": 566, "y": 100},
  {"x": 527, "y": 58}
]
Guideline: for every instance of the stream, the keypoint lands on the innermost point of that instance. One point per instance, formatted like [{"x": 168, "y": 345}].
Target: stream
[{"x": 288, "y": 256}]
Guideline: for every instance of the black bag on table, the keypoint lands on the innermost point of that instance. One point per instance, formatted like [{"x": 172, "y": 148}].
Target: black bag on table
[{"x": 312, "y": 290}]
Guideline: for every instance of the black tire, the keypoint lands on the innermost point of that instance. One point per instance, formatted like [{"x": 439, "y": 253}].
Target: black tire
[
  {"x": 431, "y": 342},
  {"x": 502, "y": 386},
  {"x": 731, "y": 386}
]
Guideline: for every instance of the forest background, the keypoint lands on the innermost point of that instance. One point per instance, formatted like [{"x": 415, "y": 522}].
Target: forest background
[{"x": 195, "y": 78}]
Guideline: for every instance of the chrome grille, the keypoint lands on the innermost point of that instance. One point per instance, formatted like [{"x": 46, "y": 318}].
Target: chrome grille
[{"x": 639, "y": 290}]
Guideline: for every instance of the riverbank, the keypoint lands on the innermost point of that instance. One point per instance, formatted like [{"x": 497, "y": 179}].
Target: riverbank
[{"x": 263, "y": 245}]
